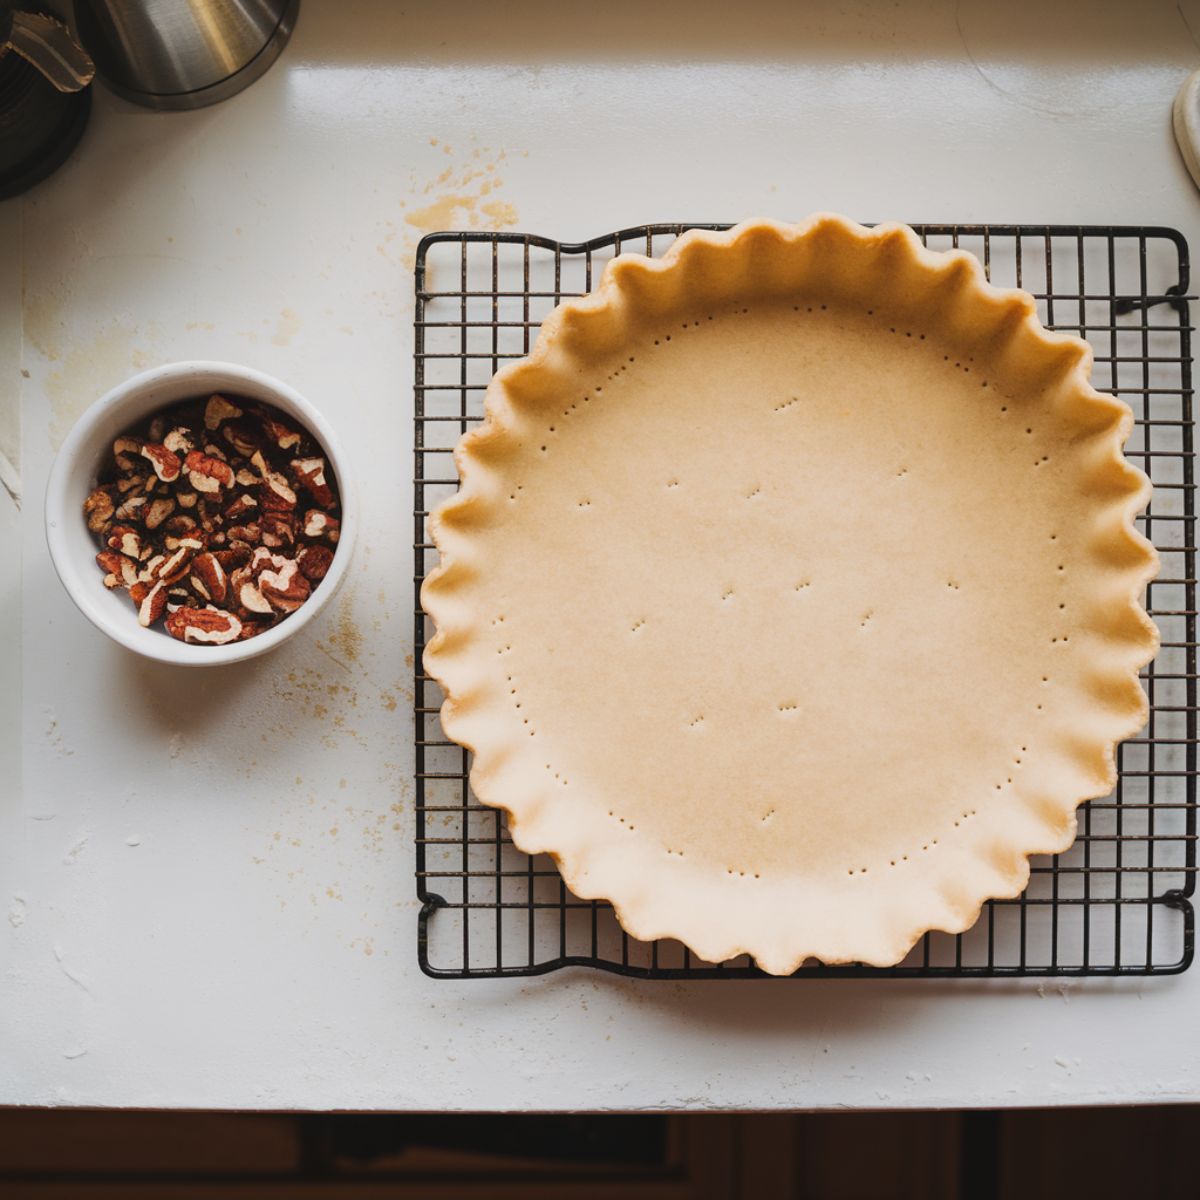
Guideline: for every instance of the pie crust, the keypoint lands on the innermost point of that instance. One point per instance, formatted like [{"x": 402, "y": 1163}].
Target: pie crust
[{"x": 791, "y": 596}]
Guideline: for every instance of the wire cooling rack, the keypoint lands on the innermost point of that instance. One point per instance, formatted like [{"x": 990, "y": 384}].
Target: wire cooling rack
[{"x": 1117, "y": 903}]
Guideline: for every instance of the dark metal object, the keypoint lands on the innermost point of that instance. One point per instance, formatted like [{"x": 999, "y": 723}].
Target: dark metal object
[
  {"x": 44, "y": 100},
  {"x": 48, "y": 44},
  {"x": 1117, "y": 903},
  {"x": 181, "y": 54}
]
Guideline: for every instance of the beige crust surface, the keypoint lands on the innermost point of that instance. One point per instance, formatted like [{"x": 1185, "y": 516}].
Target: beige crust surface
[{"x": 790, "y": 599}]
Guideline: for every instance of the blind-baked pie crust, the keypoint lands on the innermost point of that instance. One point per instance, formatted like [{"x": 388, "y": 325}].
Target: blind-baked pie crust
[{"x": 791, "y": 596}]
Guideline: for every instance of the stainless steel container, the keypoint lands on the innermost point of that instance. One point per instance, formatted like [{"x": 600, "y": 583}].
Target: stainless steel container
[{"x": 183, "y": 53}]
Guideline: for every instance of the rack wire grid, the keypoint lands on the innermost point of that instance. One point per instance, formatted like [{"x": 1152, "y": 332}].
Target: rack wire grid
[{"x": 1117, "y": 903}]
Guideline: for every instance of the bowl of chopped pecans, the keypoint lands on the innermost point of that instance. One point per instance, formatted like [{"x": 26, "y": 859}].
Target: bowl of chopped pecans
[{"x": 200, "y": 513}]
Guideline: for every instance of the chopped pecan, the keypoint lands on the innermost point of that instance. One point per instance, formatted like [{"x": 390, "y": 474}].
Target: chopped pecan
[
  {"x": 238, "y": 508},
  {"x": 179, "y": 441},
  {"x": 280, "y": 434},
  {"x": 201, "y": 511},
  {"x": 311, "y": 474},
  {"x": 250, "y": 597},
  {"x": 157, "y": 511},
  {"x": 242, "y": 437},
  {"x": 133, "y": 483},
  {"x": 208, "y": 577},
  {"x": 173, "y": 567},
  {"x": 284, "y": 589},
  {"x": 120, "y": 571},
  {"x": 236, "y": 554},
  {"x": 251, "y": 533},
  {"x": 219, "y": 409},
  {"x": 207, "y": 474},
  {"x": 130, "y": 508},
  {"x": 125, "y": 540},
  {"x": 151, "y": 599},
  {"x": 165, "y": 462},
  {"x": 315, "y": 562},
  {"x": 123, "y": 449},
  {"x": 318, "y": 524},
  {"x": 212, "y": 626},
  {"x": 99, "y": 509},
  {"x": 278, "y": 529}
]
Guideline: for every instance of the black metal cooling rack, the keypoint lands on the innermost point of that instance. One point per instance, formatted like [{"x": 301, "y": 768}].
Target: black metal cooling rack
[{"x": 1117, "y": 903}]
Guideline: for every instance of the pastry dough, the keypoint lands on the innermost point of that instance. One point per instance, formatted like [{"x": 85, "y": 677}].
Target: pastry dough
[{"x": 791, "y": 596}]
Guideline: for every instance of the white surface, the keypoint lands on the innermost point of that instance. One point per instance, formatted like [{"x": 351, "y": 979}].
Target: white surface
[
  {"x": 74, "y": 474},
  {"x": 208, "y": 880}
]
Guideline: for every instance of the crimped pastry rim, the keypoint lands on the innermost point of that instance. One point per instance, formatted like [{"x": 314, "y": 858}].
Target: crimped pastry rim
[{"x": 715, "y": 934}]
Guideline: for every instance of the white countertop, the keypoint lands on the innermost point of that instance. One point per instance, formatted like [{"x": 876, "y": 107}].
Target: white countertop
[{"x": 208, "y": 877}]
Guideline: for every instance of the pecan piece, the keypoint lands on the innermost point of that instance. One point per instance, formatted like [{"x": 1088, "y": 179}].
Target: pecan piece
[
  {"x": 173, "y": 567},
  {"x": 242, "y": 437},
  {"x": 280, "y": 434},
  {"x": 208, "y": 577},
  {"x": 130, "y": 508},
  {"x": 251, "y": 533},
  {"x": 179, "y": 441},
  {"x": 250, "y": 597},
  {"x": 315, "y": 562},
  {"x": 284, "y": 589},
  {"x": 322, "y": 525},
  {"x": 120, "y": 571},
  {"x": 98, "y": 508},
  {"x": 278, "y": 529},
  {"x": 151, "y": 599},
  {"x": 239, "y": 507},
  {"x": 207, "y": 474},
  {"x": 123, "y": 449},
  {"x": 219, "y": 409},
  {"x": 186, "y": 499},
  {"x": 126, "y": 540},
  {"x": 311, "y": 474},
  {"x": 211, "y": 626},
  {"x": 236, "y": 554},
  {"x": 157, "y": 511},
  {"x": 133, "y": 483},
  {"x": 165, "y": 462}
]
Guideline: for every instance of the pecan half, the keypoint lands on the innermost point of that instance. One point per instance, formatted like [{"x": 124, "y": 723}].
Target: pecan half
[
  {"x": 212, "y": 626},
  {"x": 151, "y": 599}
]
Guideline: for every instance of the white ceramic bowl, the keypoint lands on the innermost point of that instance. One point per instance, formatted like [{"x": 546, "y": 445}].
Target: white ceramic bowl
[{"x": 73, "y": 548}]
